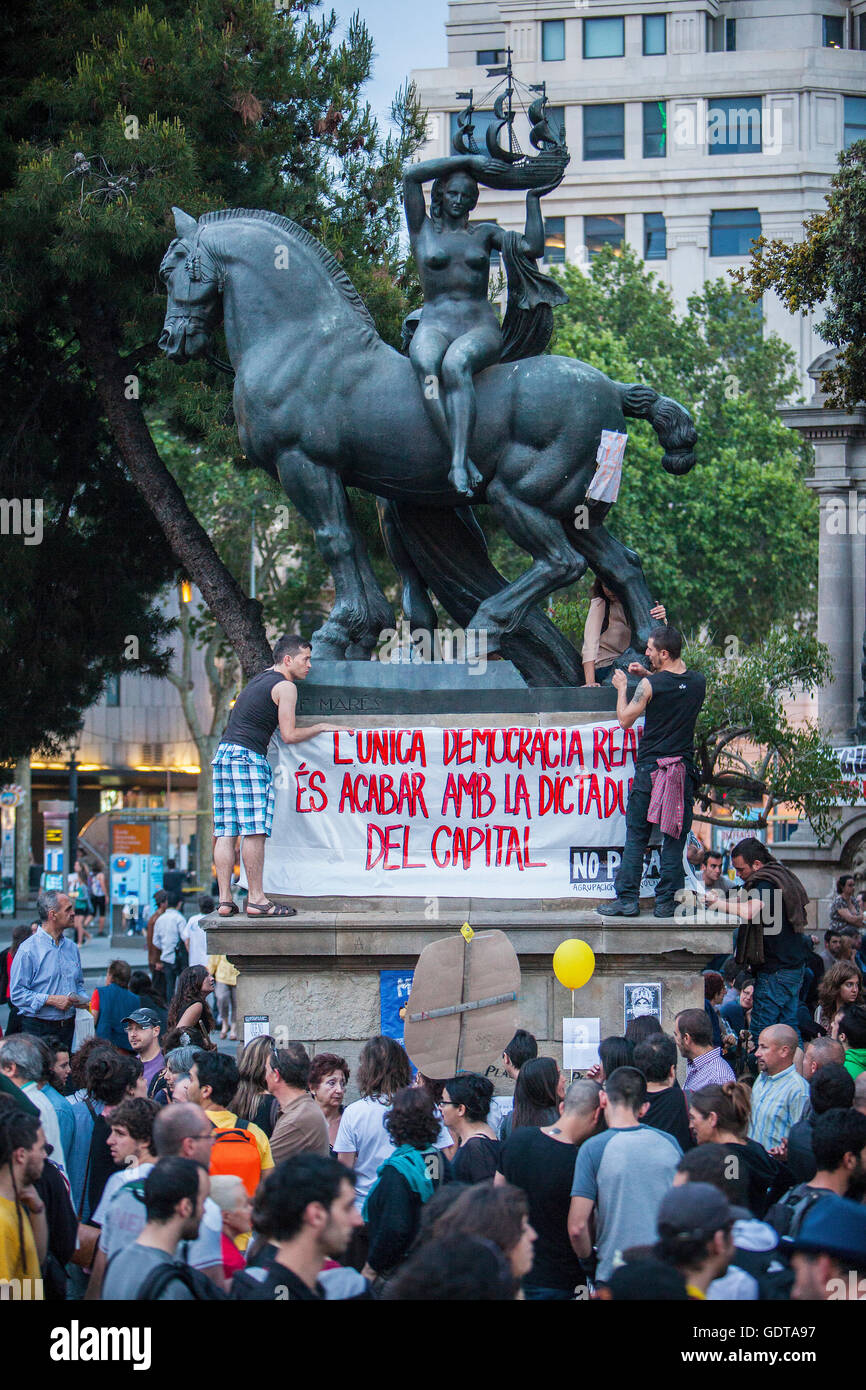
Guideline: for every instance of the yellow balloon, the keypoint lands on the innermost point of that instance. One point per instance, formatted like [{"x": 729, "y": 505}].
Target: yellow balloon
[{"x": 573, "y": 963}]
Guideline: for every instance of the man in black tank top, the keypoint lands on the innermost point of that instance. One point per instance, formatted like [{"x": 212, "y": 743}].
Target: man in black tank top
[
  {"x": 670, "y": 696},
  {"x": 243, "y": 791}
]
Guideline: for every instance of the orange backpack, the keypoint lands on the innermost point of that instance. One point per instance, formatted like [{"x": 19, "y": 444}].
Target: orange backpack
[{"x": 235, "y": 1151}]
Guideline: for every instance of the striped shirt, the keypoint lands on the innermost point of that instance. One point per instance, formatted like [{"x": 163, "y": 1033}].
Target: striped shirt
[
  {"x": 778, "y": 1102},
  {"x": 710, "y": 1069}
]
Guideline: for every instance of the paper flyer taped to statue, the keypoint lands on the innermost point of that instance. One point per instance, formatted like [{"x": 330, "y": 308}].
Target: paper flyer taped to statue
[
  {"x": 521, "y": 811},
  {"x": 608, "y": 476}
]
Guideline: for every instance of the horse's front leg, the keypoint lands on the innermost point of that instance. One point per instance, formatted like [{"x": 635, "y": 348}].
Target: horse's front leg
[
  {"x": 555, "y": 564},
  {"x": 320, "y": 497}
]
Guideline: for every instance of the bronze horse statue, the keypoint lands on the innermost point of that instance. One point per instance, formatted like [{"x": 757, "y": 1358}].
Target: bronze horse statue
[{"x": 322, "y": 403}]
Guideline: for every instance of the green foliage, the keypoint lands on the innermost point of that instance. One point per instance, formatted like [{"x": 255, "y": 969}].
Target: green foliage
[
  {"x": 748, "y": 750},
  {"x": 78, "y": 606},
  {"x": 827, "y": 265},
  {"x": 732, "y": 546},
  {"x": 110, "y": 115}
]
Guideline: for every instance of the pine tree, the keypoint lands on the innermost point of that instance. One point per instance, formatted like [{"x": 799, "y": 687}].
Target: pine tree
[{"x": 110, "y": 116}]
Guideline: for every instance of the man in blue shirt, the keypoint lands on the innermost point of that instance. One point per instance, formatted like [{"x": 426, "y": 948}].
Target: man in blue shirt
[{"x": 47, "y": 981}]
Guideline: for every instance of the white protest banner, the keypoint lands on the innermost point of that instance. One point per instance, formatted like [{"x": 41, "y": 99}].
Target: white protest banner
[{"x": 512, "y": 812}]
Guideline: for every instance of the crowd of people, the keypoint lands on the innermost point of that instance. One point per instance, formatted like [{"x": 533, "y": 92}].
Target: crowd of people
[{"x": 147, "y": 1165}]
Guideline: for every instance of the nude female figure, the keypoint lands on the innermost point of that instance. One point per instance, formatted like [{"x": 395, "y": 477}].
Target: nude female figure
[{"x": 458, "y": 333}]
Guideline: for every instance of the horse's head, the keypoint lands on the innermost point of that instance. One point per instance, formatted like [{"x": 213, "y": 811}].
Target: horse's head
[{"x": 194, "y": 285}]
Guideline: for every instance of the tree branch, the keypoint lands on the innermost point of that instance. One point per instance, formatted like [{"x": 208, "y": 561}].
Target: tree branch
[{"x": 239, "y": 616}]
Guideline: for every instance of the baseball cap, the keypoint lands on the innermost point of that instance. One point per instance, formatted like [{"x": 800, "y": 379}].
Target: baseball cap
[
  {"x": 695, "y": 1209},
  {"x": 146, "y": 1017},
  {"x": 834, "y": 1226}
]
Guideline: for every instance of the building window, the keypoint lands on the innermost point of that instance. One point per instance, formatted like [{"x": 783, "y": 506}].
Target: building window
[
  {"x": 552, "y": 40},
  {"x": 654, "y": 237},
  {"x": 655, "y": 34},
  {"x": 721, "y": 35},
  {"x": 489, "y": 57},
  {"x": 603, "y": 38},
  {"x": 555, "y": 116},
  {"x": 861, "y": 32},
  {"x": 655, "y": 122},
  {"x": 480, "y": 121},
  {"x": 604, "y": 132},
  {"x": 855, "y": 120},
  {"x": 112, "y": 692},
  {"x": 734, "y": 125},
  {"x": 733, "y": 230},
  {"x": 554, "y": 240},
  {"x": 834, "y": 31},
  {"x": 599, "y": 232}
]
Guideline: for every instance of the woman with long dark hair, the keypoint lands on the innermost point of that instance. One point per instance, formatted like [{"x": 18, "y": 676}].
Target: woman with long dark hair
[
  {"x": 188, "y": 1011},
  {"x": 496, "y": 1213},
  {"x": 841, "y": 986},
  {"x": 252, "y": 1100},
  {"x": 536, "y": 1099},
  {"x": 607, "y": 633},
  {"x": 613, "y": 1052}
]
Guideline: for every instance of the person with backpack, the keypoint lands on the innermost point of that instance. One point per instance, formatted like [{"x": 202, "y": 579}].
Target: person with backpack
[
  {"x": 179, "y": 1131},
  {"x": 148, "y": 1270},
  {"x": 839, "y": 1146},
  {"x": 112, "y": 1002},
  {"x": 239, "y": 1147}
]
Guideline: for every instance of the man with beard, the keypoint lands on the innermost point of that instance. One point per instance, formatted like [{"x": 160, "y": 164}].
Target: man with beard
[
  {"x": 23, "y": 1227},
  {"x": 665, "y": 778},
  {"x": 839, "y": 1146}
]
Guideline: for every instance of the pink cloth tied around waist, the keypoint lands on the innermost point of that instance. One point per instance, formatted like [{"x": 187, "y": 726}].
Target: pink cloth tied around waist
[{"x": 667, "y": 799}]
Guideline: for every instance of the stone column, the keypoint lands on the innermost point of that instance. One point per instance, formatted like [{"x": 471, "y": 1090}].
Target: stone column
[{"x": 839, "y": 441}]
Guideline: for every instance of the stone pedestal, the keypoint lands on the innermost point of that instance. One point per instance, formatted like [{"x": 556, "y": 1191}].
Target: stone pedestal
[{"x": 316, "y": 975}]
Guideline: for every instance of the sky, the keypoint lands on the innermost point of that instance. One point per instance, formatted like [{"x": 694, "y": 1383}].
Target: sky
[{"x": 407, "y": 34}]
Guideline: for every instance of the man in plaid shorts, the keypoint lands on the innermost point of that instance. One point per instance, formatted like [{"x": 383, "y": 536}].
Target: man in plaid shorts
[{"x": 243, "y": 790}]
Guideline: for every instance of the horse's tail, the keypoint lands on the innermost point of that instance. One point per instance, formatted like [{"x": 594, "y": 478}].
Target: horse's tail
[
  {"x": 447, "y": 552},
  {"x": 671, "y": 422}
]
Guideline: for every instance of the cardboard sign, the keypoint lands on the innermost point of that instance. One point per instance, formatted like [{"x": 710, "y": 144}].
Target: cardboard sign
[{"x": 463, "y": 1007}]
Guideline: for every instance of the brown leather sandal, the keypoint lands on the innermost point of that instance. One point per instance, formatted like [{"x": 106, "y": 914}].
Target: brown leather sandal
[
  {"x": 272, "y": 910},
  {"x": 235, "y": 910}
]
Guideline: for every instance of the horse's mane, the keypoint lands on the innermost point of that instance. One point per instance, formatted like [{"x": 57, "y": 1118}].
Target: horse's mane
[{"x": 339, "y": 277}]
